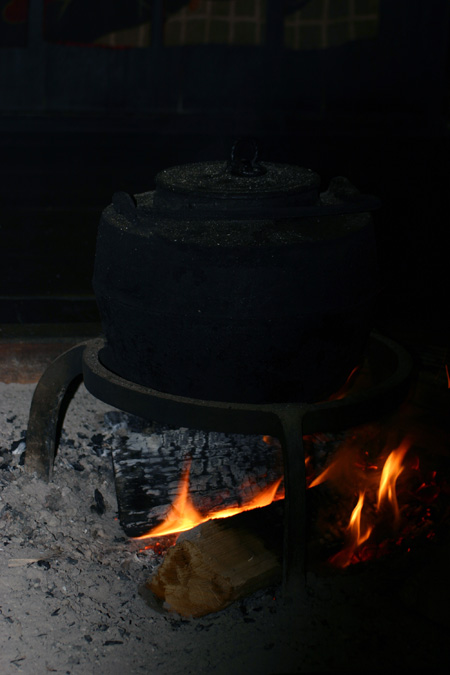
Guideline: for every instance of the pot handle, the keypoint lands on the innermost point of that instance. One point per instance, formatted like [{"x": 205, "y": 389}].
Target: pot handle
[
  {"x": 244, "y": 159},
  {"x": 125, "y": 204}
]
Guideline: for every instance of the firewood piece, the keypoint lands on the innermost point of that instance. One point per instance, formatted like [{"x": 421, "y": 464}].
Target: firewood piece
[
  {"x": 219, "y": 562},
  {"x": 39, "y": 558}
]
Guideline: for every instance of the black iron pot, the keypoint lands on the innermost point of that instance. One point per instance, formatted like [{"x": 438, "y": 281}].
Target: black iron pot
[{"x": 237, "y": 281}]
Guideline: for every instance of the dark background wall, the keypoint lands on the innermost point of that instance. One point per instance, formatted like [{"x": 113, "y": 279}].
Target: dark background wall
[{"x": 80, "y": 122}]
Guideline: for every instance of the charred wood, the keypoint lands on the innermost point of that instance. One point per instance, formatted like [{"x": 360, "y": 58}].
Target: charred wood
[{"x": 149, "y": 460}]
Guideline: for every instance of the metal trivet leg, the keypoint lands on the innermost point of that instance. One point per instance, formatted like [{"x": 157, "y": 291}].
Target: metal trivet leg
[
  {"x": 48, "y": 408},
  {"x": 294, "y": 548}
]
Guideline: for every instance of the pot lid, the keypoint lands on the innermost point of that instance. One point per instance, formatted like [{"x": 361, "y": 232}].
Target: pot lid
[
  {"x": 244, "y": 188},
  {"x": 241, "y": 184}
]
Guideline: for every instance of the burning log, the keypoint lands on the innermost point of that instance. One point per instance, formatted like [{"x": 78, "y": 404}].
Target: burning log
[
  {"x": 220, "y": 561},
  {"x": 150, "y": 460}
]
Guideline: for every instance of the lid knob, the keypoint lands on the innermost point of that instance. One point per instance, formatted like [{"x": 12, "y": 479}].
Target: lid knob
[{"x": 244, "y": 159}]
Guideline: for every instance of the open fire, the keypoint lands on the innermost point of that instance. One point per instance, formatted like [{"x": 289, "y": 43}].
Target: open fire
[
  {"x": 184, "y": 516},
  {"x": 378, "y": 512},
  {"x": 372, "y": 504},
  {"x": 376, "y": 506}
]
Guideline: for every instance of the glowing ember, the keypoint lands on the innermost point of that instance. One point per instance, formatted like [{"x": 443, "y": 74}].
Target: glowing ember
[
  {"x": 448, "y": 376},
  {"x": 184, "y": 516}
]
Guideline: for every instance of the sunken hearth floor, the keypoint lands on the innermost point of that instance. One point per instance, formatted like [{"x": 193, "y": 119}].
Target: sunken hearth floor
[{"x": 69, "y": 579}]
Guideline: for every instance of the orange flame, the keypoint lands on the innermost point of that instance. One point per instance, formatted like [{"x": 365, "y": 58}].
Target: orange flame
[
  {"x": 355, "y": 538},
  {"x": 341, "y": 471},
  {"x": 392, "y": 469},
  {"x": 354, "y": 525},
  {"x": 343, "y": 390},
  {"x": 325, "y": 475},
  {"x": 345, "y": 470},
  {"x": 448, "y": 376},
  {"x": 184, "y": 516}
]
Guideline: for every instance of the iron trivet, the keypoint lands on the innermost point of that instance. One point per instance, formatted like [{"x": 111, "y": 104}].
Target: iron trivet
[{"x": 390, "y": 363}]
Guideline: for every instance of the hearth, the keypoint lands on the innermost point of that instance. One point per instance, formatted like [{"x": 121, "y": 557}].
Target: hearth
[
  {"x": 92, "y": 583},
  {"x": 387, "y": 372}
]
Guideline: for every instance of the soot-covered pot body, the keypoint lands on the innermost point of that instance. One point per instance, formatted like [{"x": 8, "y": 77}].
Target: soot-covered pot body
[{"x": 246, "y": 288}]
